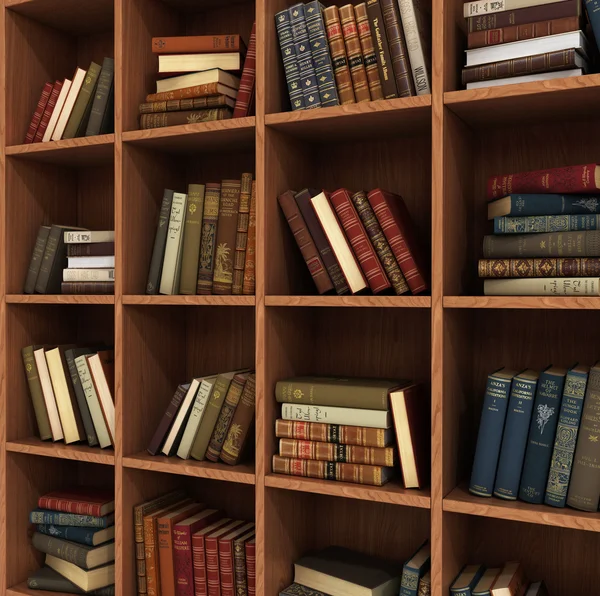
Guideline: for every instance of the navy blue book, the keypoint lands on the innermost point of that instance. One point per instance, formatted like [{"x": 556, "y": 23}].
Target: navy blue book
[
  {"x": 290, "y": 60},
  {"x": 593, "y": 10},
  {"x": 542, "y": 432},
  {"x": 57, "y": 518},
  {"x": 486, "y": 582},
  {"x": 518, "y": 205},
  {"x": 467, "y": 580},
  {"x": 566, "y": 436},
  {"x": 87, "y": 536},
  {"x": 489, "y": 439},
  {"x": 514, "y": 438},
  {"x": 414, "y": 569}
]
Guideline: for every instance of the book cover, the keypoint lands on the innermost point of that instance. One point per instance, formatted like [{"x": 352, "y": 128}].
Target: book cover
[
  {"x": 479, "y": 7},
  {"x": 164, "y": 119},
  {"x": 239, "y": 562},
  {"x": 368, "y": 51},
  {"x": 171, "y": 270},
  {"x": 467, "y": 579},
  {"x": 36, "y": 259},
  {"x": 553, "y": 286},
  {"x": 349, "y": 454},
  {"x": 69, "y": 103},
  {"x": 85, "y": 98},
  {"x": 187, "y": 94},
  {"x": 291, "y": 64},
  {"x": 210, "y": 218},
  {"x": 416, "y": 23},
  {"x": 36, "y": 393},
  {"x": 299, "y": 590},
  {"x": 356, "y": 63},
  {"x": 241, "y": 237},
  {"x": 241, "y": 424},
  {"x": 96, "y": 249},
  {"x": 102, "y": 371},
  {"x": 101, "y": 97},
  {"x": 82, "y": 501},
  {"x": 511, "y": 580},
  {"x": 334, "y": 415},
  {"x": 382, "y": 49},
  {"x": 84, "y": 410},
  {"x": 205, "y": 77},
  {"x": 160, "y": 241},
  {"x": 211, "y": 548},
  {"x": 425, "y": 585},
  {"x": 192, "y": 231},
  {"x": 521, "y": 205},
  {"x": 414, "y": 569},
  {"x": 549, "y": 244},
  {"x": 85, "y": 557},
  {"x": 93, "y": 579},
  {"x": 47, "y": 579},
  {"x": 249, "y": 284},
  {"x": 508, "y": 268},
  {"x": 181, "y": 105},
  {"x": 177, "y": 430},
  {"x": 57, "y": 518},
  {"x": 198, "y": 44},
  {"x": 251, "y": 566},
  {"x": 199, "y": 554},
  {"x": 226, "y": 559},
  {"x": 38, "y": 113},
  {"x": 226, "y": 237},
  {"x": 80, "y": 535},
  {"x": 39, "y": 355},
  {"x": 48, "y": 110},
  {"x": 545, "y": 223},
  {"x": 483, "y": 586}
]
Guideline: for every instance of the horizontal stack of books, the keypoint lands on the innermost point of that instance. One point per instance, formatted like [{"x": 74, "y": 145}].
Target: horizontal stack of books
[
  {"x": 209, "y": 418},
  {"x": 206, "y": 240},
  {"x": 82, "y": 107},
  {"x": 509, "y": 580},
  {"x": 356, "y": 242},
  {"x": 550, "y": 243},
  {"x": 519, "y": 41},
  {"x": 538, "y": 437},
  {"x": 72, "y": 392},
  {"x": 207, "y": 86},
  {"x": 336, "y": 56},
  {"x": 341, "y": 429},
  {"x": 182, "y": 547},
  {"x": 75, "y": 529}
]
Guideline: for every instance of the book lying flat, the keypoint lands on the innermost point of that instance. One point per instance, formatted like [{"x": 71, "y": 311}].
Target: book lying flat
[
  {"x": 530, "y": 78},
  {"x": 86, "y": 580},
  {"x": 198, "y": 62},
  {"x": 215, "y": 75}
]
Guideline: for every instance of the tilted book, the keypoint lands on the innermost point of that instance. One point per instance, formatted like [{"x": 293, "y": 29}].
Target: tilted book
[
  {"x": 171, "y": 270},
  {"x": 416, "y": 22},
  {"x": 210, "y": 218},
  {"x": 246, "y": 92}
]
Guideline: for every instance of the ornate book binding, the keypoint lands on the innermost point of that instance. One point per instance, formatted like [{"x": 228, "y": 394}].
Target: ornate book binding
[
  {"x": 241, "y": 239},
  {"x": 187, "y": 117},
  {"x": 212, "y": 198},
  {"x": 38, "y": 113},
  {"x": 336, "y": 452},
  {"x": 356, "y": 63},
  {"x": 49, "y": 108},
  {"x": 291, "y": 64},
  {"x": 507, "y": 268},
  {"x": 368, "y": 50},
  {"x": 206, "y": 90},
  {"x": 246, "y": 91},
  {"x": 226, "y": 236},
  {"x": 241, "y": 424},
  {"x": 382, "y": 49},
  {"x": 249, "y": 285}
]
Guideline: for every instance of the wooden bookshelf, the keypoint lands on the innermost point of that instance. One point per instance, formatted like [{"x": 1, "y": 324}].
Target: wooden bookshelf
[{"x": 436, "y": 151}]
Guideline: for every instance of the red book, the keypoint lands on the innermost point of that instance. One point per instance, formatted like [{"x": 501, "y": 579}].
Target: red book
[
  {"x": 226, "y": 565},
  {"x": 397, "y": 226},
  {"x": 199, "y": 555},
  {"x": 39, "y": 112},
  {"x": 211, "y": 552},
  {"x": 251, "y": 566},
  {"x": 570, "y": 179},
  {"x": 245, "y": 95},
  {"x": 81, "y": 501},
  {"x": 39, "y": 135},
  {"x": 359, "y": 240}
]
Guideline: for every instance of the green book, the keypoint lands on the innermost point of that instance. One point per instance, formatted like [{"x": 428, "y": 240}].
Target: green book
[
  {"x": 84, "y": 99},
  {"x": 35, "y": 390},
  {"x": 192, "y": 231},
  {"x": 102, "y": 95}
]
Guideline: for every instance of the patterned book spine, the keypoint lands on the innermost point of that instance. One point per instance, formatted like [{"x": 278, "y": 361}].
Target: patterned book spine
[
  {"x": 360, "y": 82},
  {"x": 425, "y": 585},
  {"x": 382, "y": 49},
  {"x": 180, "y": 105},
  {"x": 73, "y": 534},
  {"x": 341, "y": 70},
  {"x": 545, "y": 223},
  {"x": 543, "y": 204},
  {"x": 70, "y": 519},
  {"x": 248, "y": 80},
  {"x": 368, "y": 50},
  {"x": 38, "y": 113},
  {"x": 249, "y": 285},
  {"x": 68, "y": 505},
  {"x": 251, "y": 566},
  {"x": 192, "y": 233},
  {"x": 198, "y": 44},
  {"x": 182, "y": 559},
  {"x": 212, "y": 198},
  {"x": 211, "y": 550},
  {"x": 206, "y": 90},
  {"x": 324, "y": 470},
  {"x": 551, "y": 244},
  {"x": 241, "y": 239},
  {"x": 549, "y": 62},
  {"x": 291, "y": 63},
  {"x": 336, "y": 452},
  {"x": 239, "y": 564},
  {"x": 549, "y": 286},
  {"x": 226, "y": 237},
  {"x": 499, "y": 268},
  {"x": 39, "y": 135},
  {"x": 226, "y": 568},
  {"x": 151, "y": 568},
  {"x": 73, "y": 553},
  {"x": 240, "y": 425},
  {"x": 308, "y": 77},
  {"x": 199, "y": 562},
  {"x": 165, "y": 119}
]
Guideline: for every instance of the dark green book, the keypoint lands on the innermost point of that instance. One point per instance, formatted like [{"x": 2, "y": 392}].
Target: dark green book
[
  {"x": 108, "y": 120},
  {"x": 35, "y": 390},
  {"x": 36, "y": 259},
  {"x": 160, "y": 241},
  {"x": 101, "y": 98},
  {"x": 52, "y": 581},
  {"x": 299, "y": 590},
  {"x": 85, "y": 557},
  {"x": 84, "y": 410},
  {"x": 85, "y": 97}
]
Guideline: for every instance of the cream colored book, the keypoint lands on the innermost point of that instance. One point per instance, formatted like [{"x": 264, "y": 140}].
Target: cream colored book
[
  {"x": 510, "y": 582},
  {"x": 102, "y": 388},
  {"x": 204, "y": 77},
  {"x": 182, "y": 414},
  {"x": 416, "y": 23},
  {"x": 171, "y": 271},
  {"x": 543, "y": 76},
  {"x": 484, "y": 7},
  {"x": 68, "y": 106},
  {"x": 199, "y": 62},
  {"x": 86, "y": 580},
  {"x": 60, "y": 102},
  {"x": 543, "y": 286},
  {"x": 48, "y": 392},
  {"x": 335, "y": 415}
]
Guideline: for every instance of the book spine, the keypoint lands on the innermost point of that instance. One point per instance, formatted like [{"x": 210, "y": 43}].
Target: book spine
[
  {"x": 542, "y": 432},
  {"x": 335, "y": 415},
  {"x": 398, "y": 51},
  {"x": 545, "y": 223},
  {"x": 180, "y": 105},
  {"x": 551, "y": 286},
  {"x": 226, "y": 237},
  {"x": 382, "y": 49},
  {"x": 291, "y": 64},
  {"x": 39, "y": 134},
  {"x": 79, "y": 535},
  {"x": 561, "y": 462},
  {"x": 84, "y": 98},
  {"x": 70, "y": 506},
  {"x": 62, "y": 549},
  {"x": 87, "y": 287},
  {"x": 592, "y": 8},
  {"x": 89, "y": 275},
  {"x": 182, "y": 561},
  {"x": 507, "y": 268},
  {"x": 330, "y": 433},
  {"x": 188, "y": 117},
  {"x": 206, "y": 90},
  {"x": 198, "y": 44},
  {"x": 239, "y": 565},
  {"x": 489, "y": 438},
  {"x": 337, "y": 49},
  {"x": 84, "y": 410},
  {"x": 37, "y": 396},
  {"x": 36, "y": 259},
  {"x": 192, "y": 232},
  {"x": 38, "y": 113},
  {"x": 211, "y": 549},
  {"x": 336, "y": 452},
  {"x": 101, "y": 98},
  {"x": 241, "y": 237},
  {"x": 151, "y": 568},
  {"x": 210, "y": 220},
  {"x": 68, "y": 519},
  {"x": 514, "y": 439},
  {"x": 356, "y": 473},
  {"x": 240, "y": 425},
  {"x": 96, "y": 249},
  {"x": 249, "y": 285},
  {"x": 160, "y": 241},
  {"x": 356, "y": 63},
  {"x": 226, "y": 569},
  {"x": 248, "y": 80},
  {"x": 199, "y": 563},
  {"x": 548, "y": 204},
  {"x": 108, "y": 118},
  {"x": 53, "y": 252},
  {"x": 551, "y": 244},
  {"x": 410, "y": 582},
  {"x": 479, "y": 7},
  {"x": 251, "y": 566},
  {"x": 368, "y": 50}
]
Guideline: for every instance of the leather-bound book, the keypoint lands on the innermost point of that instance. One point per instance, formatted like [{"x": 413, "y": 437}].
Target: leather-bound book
[
  {"x": 166, "y": 421},
  {"x": 415, "y": 16},
  {"x": 251, "y": 566},
  {"x": 239, "y": 563},
  {"x": 206, "y": 91},
  {"x": 249, "y": 285},
  {"x": 199, "y": 554},
  {"x": 368, "y": 51},
  {"x": 241, "y": 237},
  {"x": 181, "y": 105},
  {"x": 47, "y": 579},
  {"x": 161, "y": 120},
  {"x": 356, "y": 62},
  {"x": 160, "y": 242},
  {"x": 192, "y": 231},
  {"x": 36, "y": 259},
  {"x": 41, "y": 129},
  {"x": 82, "y": 501},
  {"x": 382, "y": 49},
  {"x": 198, "y": 44},
  {"x": 550, "y": 244},
  {"x": 335, "y": 452},
  {"x": 337, "y": 48},
  {"x": 425, "y": 585},
  {"x": 210, "y": 218},
  {"x": 414, "y": 569},
  {"x": 291, "y": 64},
  {"x": 101, "y": 98},
  {"x": 84, "y": 410},
  {"x": 85, "y": 557},
  {"x": 77, "y": 123},
  {"x": 211, "y": 549},
  {"x": 38, "y": 113},
  {"x": 511, "y": 581},
  {"x": 507, "y": 268},
  {"x": 87, "y": 287},
  {"x": 36, "y": 392},
  {"x": 243, "y": 419},
  {"x": 226, "y": 559},
  {"x": 246, "y": 92},
  {"x": 226, "y": 236}
]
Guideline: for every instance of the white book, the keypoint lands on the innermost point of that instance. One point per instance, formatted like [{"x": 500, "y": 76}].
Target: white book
[
  {"x": 335, "y": 415},
  {"x": 483, "y": 7},
  {"x": 543, "y": 286},
  {"x": 171, "y": 270},
  {"x": 196, "y": 416},
  {"x": 60, "y": 102},
  {"x": 103, "y": 392},
  {"x": 48, "y": 392},
  {"x": 100, "y": 262},
  {"x": 89, "y": 237},
  {"x": 68, "y": 105},
  {"x": 199, "y": 62},
  {"x": 216, "y": 75},
  {"x": 532, "y": 78},
  {"x": 88, "y": 275},
  {"x": 528, "y": 47},
  {"x": 182, "y": 414}
]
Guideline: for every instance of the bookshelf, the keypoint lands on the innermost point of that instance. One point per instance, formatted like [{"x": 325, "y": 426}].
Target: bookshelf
[{"x": 436, "y": 151}]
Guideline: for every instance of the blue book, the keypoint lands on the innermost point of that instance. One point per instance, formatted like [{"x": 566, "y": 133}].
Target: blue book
[
  {"x": 593, "y": 10},
  {"x": 542, "y": 432},
  {"x": 321, "y": 55},
  {"x": 531, "y": 224},
  {"x": 489, "y": 439},
  {"x": 484, "y": 585},
  {"x": 81, "y": 535},
  {"x": 467, "y": 579},
  {"x": 514, "y": 438},
  {"x": 414, "y": 569},
  {"x": 521, "y": 205},
  {"x": 290, "y": 60},
  {"x": 569, "y": 419},
  {"x": 57, "y": 518},
  {"x": 308, "y": 77}
]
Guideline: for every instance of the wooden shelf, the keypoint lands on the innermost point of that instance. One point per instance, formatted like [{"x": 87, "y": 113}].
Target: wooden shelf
[
  {"x": 59, "y": 299},
  {"x": 23, "y": 590},
  {"x": 34, "y": 446},
  {"x": 190, "y": 300},
  {"x": 535, "y": 302},
  {"x": 355, "y": 301}
]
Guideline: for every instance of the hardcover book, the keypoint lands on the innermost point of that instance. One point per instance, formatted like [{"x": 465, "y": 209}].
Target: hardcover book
[
  {"x": 585, "y": 267},
  {"x": 510, "y": 582},
  {"x": 192, "y": 231},
  {"x": 299, "y": 590},
  {"x": 80, "y": 113},
  {"x": 39, "y": 355},
  {"x": 47, "y": 579},
  {"x": 84, "y": 410},
  {"x": 249, "y": 285},
  {"x": 164, "y": 119},
  {"x": 60, "y": 102},
  {"x": 48, "y": 110},
  {"x": 102, "y": 370},
  {"x": 181, "y": 105},
  {"x": 180, "y": 63},
  {"x": 205, "y": 91},
  {"x": 467, "y": 579},
  {"x": 87, "y": 536},
  {"x": 354, "y": 53},
  {"x": 85, "y": 557},
  {"x": 554, "y": 286},
  {"x": 199, "y": 554},
  {"x": 226, "y": 559},
  {"x": 39, "y": 112},
  {"x": 291, "y": 65},
  {"x": 246, "y": 92},
  {"x": 416, "y": 22},
  {"x": 210, "y": 218},
  {"x": 89, "y": 237},
  {"x": 368, "y": 51},
  {"x": 100, "y": 104},
  {"x": 197, "y": 44},
  {"x": 36, "y": 259},
  {"x": 414, "y": 569},
  {"x": 173, "y": 439},
  {"x": 36, "y": 392},
  {"x": 251, "y": 566},
  {"x": 241, "y": 236},
  {"x": 42, "y": 516},
  {"x": 545, "y": 223},
  {"x": 350, "y": 454},
  {"x": 543, "y": 204},
  {"x": 100, "y": 577},
  {"x": 82, "y": 501},
  {"x": 239, "y": 562},
  {"x": 73, "y": 94},
  {"x": 196, "y": 79},
  {"x": 485, "y": 583},
  {"x": 382, "y": 49},
  {"x": 241, "y": 424},
  {"x": 226, "y": 237},
  {"x": 551, "y": 244},
  {"x": 334, "y": 415}
]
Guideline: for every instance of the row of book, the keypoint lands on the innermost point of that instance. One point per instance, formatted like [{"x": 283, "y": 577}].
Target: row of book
[
  {"x": 78, "y": 107},
  {"x": 348, "y": 430},
  {"x": 538, "y": 437},
  {"x": 72, "y": 390},
  {"x": 206, "y": 240},
  {"x": 75, "y": 530},
  {"x": 183, "y": 547},
  {"x": 211, "y": 418},
  {"x": 509, "y": 580},
  {"x": 71, "y": 260},
  {"x": 379, "y": 49},
  {"x": 352, "y": 242}
]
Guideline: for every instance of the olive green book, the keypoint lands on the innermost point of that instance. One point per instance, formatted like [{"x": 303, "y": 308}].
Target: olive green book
[
  {"x": 35, "y": 390},
  {"x": 83, "y": 102},
  {"x": 192, "y": 232}
]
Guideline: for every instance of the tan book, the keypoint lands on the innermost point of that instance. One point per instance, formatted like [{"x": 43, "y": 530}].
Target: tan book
[
  {"x": 103, "y": 376},
  {"x": 171, "y": 270},
  {"x": 48, "y": 393},
  {"x": 65, "y": 113},
  {"x": 60, "y": 102},
  {"x": 171, "y": 443},
  {"x": 36, "y": 392},
  {"x": 93, "y": 579},
  {"x": 192, "y": 232},
  {"x": 545, "y": 286},
  {"x": 241, "y": 239},
  {"x": 510, "y": 582}
]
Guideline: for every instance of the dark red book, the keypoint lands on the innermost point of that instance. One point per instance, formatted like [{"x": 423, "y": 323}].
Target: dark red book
[
  {"x": 248, "y": 81},
  {"x": 395, "y": 221},
  {"x": 93, "y": 249},
  {"x": 199, "y": 555},
  {"x": 251, "y": 566},
  {"x": 39, "y": 112},
  {"x": 211, "y": 551},
  {"x": 226, "y": 564},
  {"x": 81, "y": 501},
  {"x": 167, "y": 420},
  {"x": 359, "y": 241},
  {"x": 39, "y": 135}
]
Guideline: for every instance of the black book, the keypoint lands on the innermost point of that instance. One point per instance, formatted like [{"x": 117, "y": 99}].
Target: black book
[
  {"x": 50, "y": 580},
  {"x": 36, "y": 259},
  {"x": 160, "y": 241},
  {"x": 102, "y": 98}
]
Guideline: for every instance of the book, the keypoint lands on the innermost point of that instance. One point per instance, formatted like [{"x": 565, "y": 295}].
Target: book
[
  {"x": 414, "y": 569},
  {"x": 105, "y": 262},
  {"x": 249, "y": 283},
  {"x": 368, "y": 51},
  {"x": 291, "y": 65},
  {"x": 82, "y": 501},
  {"x": 467, "y": 579},
  {"x": 101, "y": 367},
  {"x": 241, "y": 236},
  {"x": 350, "y": 454},
  {"x": 491, "y": 426},
  {"x": 36, "y": 393},
  {"x": 206, "y": 91},
  {"x": 87, "y": 536},
  {"x": 226, "y": 237},
  {"x": 65, "y": 114},
  {"x": 171, "y": 269},
  {"x": 332, "y": 415},
  {"x": 101, "y": 98},
  {"x": 77, "y": 118},
  {"x": 39, "y": 355},
  {"x": 425, "y": 585},
  {"x": 339, "y": 59},
  {"x": 485, "y": 583},
  {"x": 211, "y": 549},
  {"x": 382, "y": 49},
  {"x": 205, "y": 77},
  {"x": 160, "y": 241},
  {"x": 551, "y": 286},
  {"x": 239, "y": 561},
  {"x": 86, "y": 580},
  {"x": 547, "y": 244},
  {"x": 199, "y": 553},
  {"x": 88, "y": 236},
  {"x": 180, "y": 105},
  {"x": 339, "y": 571},
  {"x": 210, "y": 218},
  {"x": 514, "y": 437},
  {"x": 38, "y": 113},
  {"x": 47, "y": 579},
  {"x": 397, "y": 44},
  {"x": 90, "y": 275},
  {"x": 478, "y": 7},
  {"x": 173, "y": 439},
  {"x": 41, "y": 129},
  {"x": 36, "y": 259},
  {"x": 87, "y": 287},
  {"x": 251, "y": 566},
  {"x": 542, "y": 432},
  {"x": 510, "y": 582},
  {"x": 531, "y": 78},
  {"x": 60, "y": 102},
  {"x": 241, "y": 424},
  {"x": 166, "y": 421},
  {"x": 592, "y": 8},
  {"x": 191, "y": 235},
  {"x": 99, "y": 249},
  {"x": 190, "y": 44},
  {"x": 521, "y": 205},
  {"x": 299, "y": 590},
  {"x": 358, "y": 73},
  {"x": 57, "y": 518},
  {"x": 180, "y": 63},
  {"x": 85, "y": 557},
  {"x": 246, "y": 91},
  {"x": 163, "y": 119},
  {"x": 416, "y": 22},
  {"x": 226, "y": 558},
  {"x": 569, "y": 419},
  {"x": 84, "y": 410}
]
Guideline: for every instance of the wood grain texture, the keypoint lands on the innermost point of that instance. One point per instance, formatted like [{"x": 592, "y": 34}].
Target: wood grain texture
[
  {"x": 353, "y": 301},
  {"x": 536, "y": 302},
  {"x": 190, "y": 300},
  {"x": 70, "y": 152},
  {"x": 34, "y": 446},
  {"x": 59, "y": 299}
]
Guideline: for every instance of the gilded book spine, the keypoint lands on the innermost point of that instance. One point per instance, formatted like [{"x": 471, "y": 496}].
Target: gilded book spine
[
  {"x": 180, "y": 105},
  {"x": 210, "y": 220},
  {"x": 585, "y": 267},
  {"x": 249, "y": 285},
  {"x": 382, "y": 49},
  {"x": 240, "y": 425},
  {"x": 186, "y": 117},
  {"x": 290, "y": 60},
  {"x": 206, "y": 90},
  {"x": 336, "y": 452},
  {"x": 545, "y": 223},
  {"x": 239, "y": 560},
  {"x": 341, "y": 70},
  {"x": 356, "y": 63},
  {"x": 226, "y": 237},
  {"x": 368, "y": 50},
  {"x": 241, "y": 239}
]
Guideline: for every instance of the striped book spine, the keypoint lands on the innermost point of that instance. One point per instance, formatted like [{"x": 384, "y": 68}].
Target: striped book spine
[
  {"x": 290, "y": 60},
  {"x": 545, "y": 223},
  {"x": 248, "y": 81}
]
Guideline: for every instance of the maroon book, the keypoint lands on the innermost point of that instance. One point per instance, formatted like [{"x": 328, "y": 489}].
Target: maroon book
[
  {"x": 39, "y": 112},
  {"x": 199, "y": 555},
  {"x": 211, "y": 550},
  {"x": 251, "y": 566},
  {"x": 167, "y": 420},
  {"x": 81, "y": 501},
  {"x": 247, "y": 82},
  {"x": 226, "y": 565},
  {"x": 39, "y": 135}
]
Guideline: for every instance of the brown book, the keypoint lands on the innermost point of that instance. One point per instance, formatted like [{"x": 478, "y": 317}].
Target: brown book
[
  {"x": 38, "y": 114},
  {"x": 241, "y": 424},
  {"x": 337, "y": 452},
  {"x": 382, "y": 49},
  {"x": 398, "y": 51},
  {"x": 249, "y": 285},
  {"x": 205, "y": 90},
  {"x": 368, "y": 50},
  {"x": 547, "y": 244},
  {"x": 87, "y": 287},
  {"x": 161, "y": 120},
  {"x": 241, "y": 237},
  {"x": 102, "y": 369},
  {"x": 511, "y": 581},
  {"x": 354, "y": 53},
  {"x": 36, "y": 259},
  {"x": 210, "y": 218},
  {"x": 162, "y": 430},
  {"x": 192, "y": 232},
  {"x": 226, "y": 235},
  {"x": 337, "y": 49},
  {"x": 180, "y": 105},
  {"x": 93, "y": 249},
  {"x": 198, "y": 44},
  {"x": 555, "y": 267}
]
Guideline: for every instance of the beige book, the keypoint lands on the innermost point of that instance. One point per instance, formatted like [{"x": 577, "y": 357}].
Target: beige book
[
  {"x": 192, "y": 232},
  {"x": 86, "y": 580},
  {"x": 103, "y": 392},
  {"x": 48, "y": 393},
  {"x": 182, "y": 413},
  {"x": 171, "y": 271},
  {"x": 510, "y": 582},
  {"x": 69, "y": 103},
  {"x": 60, "y": 102},
  {"x": 543, "y": 286}
]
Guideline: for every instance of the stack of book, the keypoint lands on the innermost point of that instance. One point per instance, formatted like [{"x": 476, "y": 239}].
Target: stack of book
[
  {"x": 75, "y": 529},
  {"x": 341, "y": 429},
  {"x": 207, "y": 86},
  {"x": 209, "y": 418},
  {"x": 336, "y": 56},
  {"x": 82, "y": 107},
  {"x": 538, "y": 437},
  {"x": 551, "y": 240},
  {"x": 182, "y": 547},
  {"x": 356, "y": 242},
  {"x": 206, "y": 240},
  {"x": 509, "y": 580},
  {"x": 72, "y": 391},
  {"x": 519, "y": 41}
]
